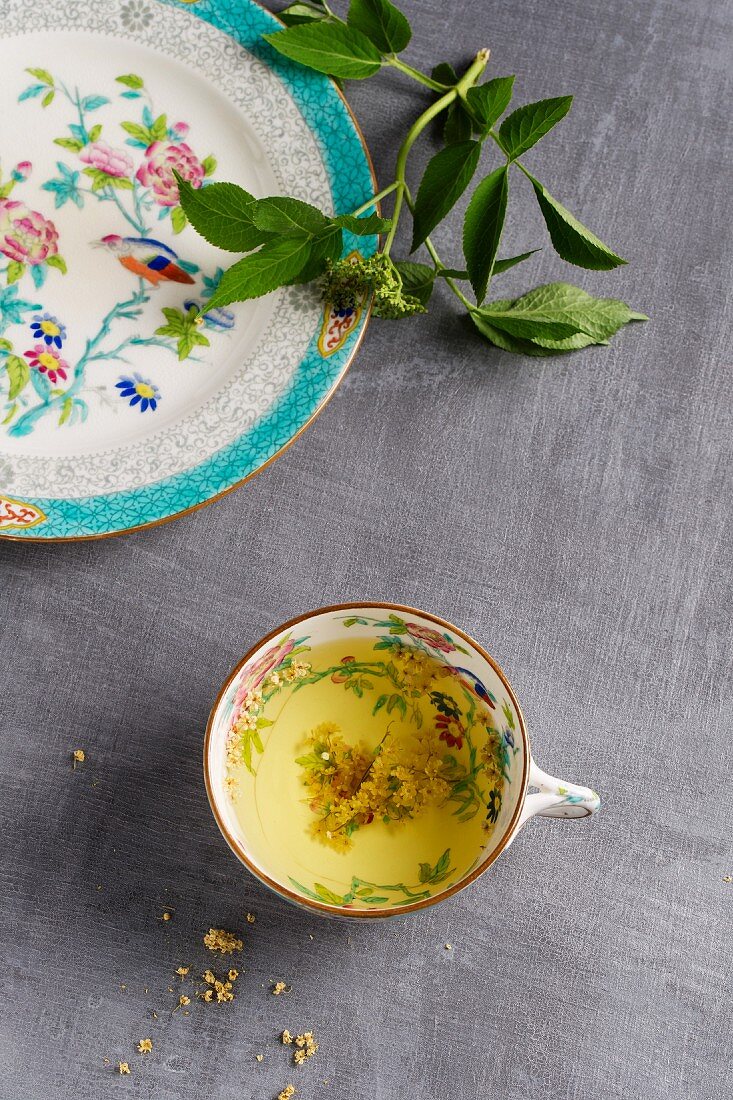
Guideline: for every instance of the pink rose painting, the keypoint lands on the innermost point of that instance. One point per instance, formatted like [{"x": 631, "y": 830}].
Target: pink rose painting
[
  {"x": 115, "y": 162},
  {"x": 431, "y": 637},
  {"x": 25, "y": 235},
  {"x": 256, "y": 672},
  {"x": 156, "y": 171}
]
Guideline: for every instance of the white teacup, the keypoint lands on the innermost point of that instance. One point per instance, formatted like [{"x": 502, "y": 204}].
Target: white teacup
[{"x": 278, "y": 660}]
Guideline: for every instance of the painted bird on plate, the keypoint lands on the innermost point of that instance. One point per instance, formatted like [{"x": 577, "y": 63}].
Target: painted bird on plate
[
  {"x": 483, "y": 692},
  {"x": 146, "y": 257}
]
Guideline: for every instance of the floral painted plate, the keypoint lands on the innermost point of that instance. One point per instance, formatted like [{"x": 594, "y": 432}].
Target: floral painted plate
[{"x": 116, "y": 410}]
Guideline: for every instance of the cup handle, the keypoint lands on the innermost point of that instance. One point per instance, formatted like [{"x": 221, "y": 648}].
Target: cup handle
[{"x": 555, "y": 798}]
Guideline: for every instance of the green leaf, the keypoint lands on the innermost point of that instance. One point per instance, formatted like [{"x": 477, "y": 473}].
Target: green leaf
[
  {"x": 482, "y": 228},
  {"x": 11, "y": 413},
  {"x": 284, "y": 215},
  {"x": 524, "y": 127},
  {"x": 532, "y": 325},
  {"x": 130, "y": 80},
  {"x": 458, "y": 125},
  {"x": 425, "y": 872},
  {"x": 327, "y": 895},
  {"x": 209, "y": 165},
  {"x": 275, "y": 264},
  {"x": 159, "y": 129},
  {"x": 599, "y": 318},
  {"x": 489, "y": 101},
  {"x": 66, "y": 408},
  {"x": 297, "y": 13},
  {"x": 446, "y": 177},
  {"x": 95, "y": 132},
  {"x": 512, "y": 261},
  {"x": 499, "y": 266},
  {"x": 69, "y": 143},
  {"x": 382, "y": 23},
  {"x": 417, "y": 279},
  {"x": 42, "y": 75},
  {"x": 443, "y": 863},
  {"x": 15, "y": 271},
  {"x": 503, "y": 340},
  {"x": 5, "y": 345},
  {"x": 140, "y": 133},
  {"x": 48, "y": 98},
  {"x": 178, "y": 219},
  {"x": 328, "y": 48},
  {"x": 327, "y": 246},
  {"x": 570, "y": 239},
  {"x": 58, "y": 262},
  {"x": 444, "y": 73},
  {"x": 363, "y": 227},
  {"x": 221, "y": 214},
  {"x": 18, "y": 375}
]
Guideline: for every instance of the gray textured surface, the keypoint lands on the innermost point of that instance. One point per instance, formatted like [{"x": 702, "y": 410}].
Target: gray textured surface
[{"x": 574, "y": 515}]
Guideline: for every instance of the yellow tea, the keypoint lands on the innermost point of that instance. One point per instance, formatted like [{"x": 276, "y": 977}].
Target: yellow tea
[{"x": 368, "y": 771}]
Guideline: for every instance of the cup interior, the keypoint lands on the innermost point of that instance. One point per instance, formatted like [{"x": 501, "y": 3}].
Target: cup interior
[{"x": 470, "y": 720}]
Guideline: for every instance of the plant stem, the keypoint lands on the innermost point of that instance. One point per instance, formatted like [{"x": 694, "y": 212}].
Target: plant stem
[
  {"x": 422, "y": 78},
  {"x": 469, "y": 78},
  {"x": 374, "y": 200}
]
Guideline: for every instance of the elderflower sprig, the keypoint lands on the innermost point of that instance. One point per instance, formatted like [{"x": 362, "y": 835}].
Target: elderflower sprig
[{"x": 289, "y": 241}]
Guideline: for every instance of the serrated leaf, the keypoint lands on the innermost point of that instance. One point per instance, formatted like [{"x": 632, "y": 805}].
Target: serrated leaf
[
  {"x": 19, "y": 373},
  {"x": 512, "y": 261},
  {"x": 41, "y": 74},
  {"x": 482, "y": 228},
  {"x": 444, "y": 73},
  {"x": 327, "y": 246},
  {"x": 276, "y": 263},
  {"x": 446, "y": 177},
  {"x": 178, "y": 219},
  {"x": 281, "y": 214},
  {"x": 570, "y": 239},
  {"x": 503, "y": 340},
  {"x": 417, "y": 279},
  {"x": 489, "y": 101},
  {"x": 328, "y": 48},
  {"x": 220, "y": 213},
  {"x": 363, "y": 227},
  {"x": 535, "y": 327},
  {"x": 458, "y": 125},
  {"x": 297, "y": 13},
  {"x": 130, "y": 80},
  {"x": 382, "y": 23},
  {"x": 524, "y": 127},
  {"x": 599, "y": 318}
]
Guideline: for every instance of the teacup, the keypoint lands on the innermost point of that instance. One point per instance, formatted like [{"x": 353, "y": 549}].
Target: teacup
[{"x": 485, "y": 766}]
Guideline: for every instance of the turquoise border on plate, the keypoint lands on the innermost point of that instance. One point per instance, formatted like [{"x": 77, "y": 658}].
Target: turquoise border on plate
[{"x": 350, "y": 180}]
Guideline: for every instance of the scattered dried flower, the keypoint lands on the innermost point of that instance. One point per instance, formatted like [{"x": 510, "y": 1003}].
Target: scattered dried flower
[
  {"x": 218, "y": 939},
  {"x": 145, "y": 1046},
  {"x": 251, "y": 918},
  {"x": 123, "y": 1067},
  {"x": 287, "y": 1092},
  {"x": 79, "y": 756},
  {"x": 280, "y": 987},
  {"x": 182, "y": 971},
  {"x": 233, "y": 975},
  {"x": 286, "y": 1037}
]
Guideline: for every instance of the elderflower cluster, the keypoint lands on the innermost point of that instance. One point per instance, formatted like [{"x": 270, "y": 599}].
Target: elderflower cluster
[
  {"x": 350, "y": 786},
  {"x": 344, "y": 283},
  {"x": 253, "y": 706}
]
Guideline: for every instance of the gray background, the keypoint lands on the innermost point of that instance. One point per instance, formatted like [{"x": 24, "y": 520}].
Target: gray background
[{"x": 573, "y": 514}]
